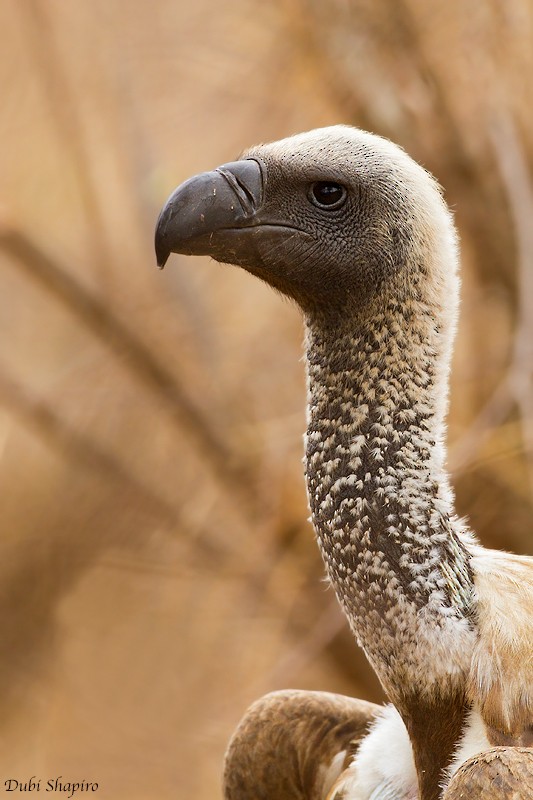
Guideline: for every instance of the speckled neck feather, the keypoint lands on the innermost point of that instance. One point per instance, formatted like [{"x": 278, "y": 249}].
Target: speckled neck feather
[
  {"x": 383, "y": 512},
  {"x": 380, "y": 498}
]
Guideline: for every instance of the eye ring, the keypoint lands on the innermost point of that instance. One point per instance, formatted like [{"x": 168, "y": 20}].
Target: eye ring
[{"x": 329, "y": 195}]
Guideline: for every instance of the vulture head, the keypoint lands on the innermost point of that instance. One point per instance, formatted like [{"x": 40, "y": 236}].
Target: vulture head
[{"x": 332, "y": 218}]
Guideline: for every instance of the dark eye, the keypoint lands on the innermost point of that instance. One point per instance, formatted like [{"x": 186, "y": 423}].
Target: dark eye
[{"x": 326, "y": 194}]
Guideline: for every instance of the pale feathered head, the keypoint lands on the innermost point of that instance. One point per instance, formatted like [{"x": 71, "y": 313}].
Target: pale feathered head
[{"x": 332, "y": 218}]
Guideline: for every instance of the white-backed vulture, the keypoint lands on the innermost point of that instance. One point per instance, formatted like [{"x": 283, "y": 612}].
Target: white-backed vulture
[{"x": 358, "y": 234}]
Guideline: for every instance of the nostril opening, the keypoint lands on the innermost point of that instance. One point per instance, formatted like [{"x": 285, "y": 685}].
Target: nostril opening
[{"x": 246, "y": 180}]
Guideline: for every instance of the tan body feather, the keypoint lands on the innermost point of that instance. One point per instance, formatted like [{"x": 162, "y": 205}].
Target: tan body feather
[{"x": 501, "y": 678}]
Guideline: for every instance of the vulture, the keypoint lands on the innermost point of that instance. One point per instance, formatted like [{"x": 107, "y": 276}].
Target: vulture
[{"x": 354, "y": 231}]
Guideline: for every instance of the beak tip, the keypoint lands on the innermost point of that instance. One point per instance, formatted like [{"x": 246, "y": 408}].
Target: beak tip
[{"x": 162, "y": 252}]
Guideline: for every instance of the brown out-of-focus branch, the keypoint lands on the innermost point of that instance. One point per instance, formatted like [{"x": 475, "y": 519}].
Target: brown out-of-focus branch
[
  {"x": 514, "y": 172},
  {"x": 65, "y": 115},
  {"x": 516, "y": 387},
  {"x": 41, "y": 417},
  {"x": 203, "y": 551},
  {"x": 103, "y": 324}
]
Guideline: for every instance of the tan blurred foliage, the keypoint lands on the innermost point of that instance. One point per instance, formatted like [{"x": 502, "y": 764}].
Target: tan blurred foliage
[{"x": 157, "y": 569}]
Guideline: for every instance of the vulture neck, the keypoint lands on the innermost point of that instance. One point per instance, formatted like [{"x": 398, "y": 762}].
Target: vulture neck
[
  {"x": 383, "y": 512},
  {"x": 379, "y": 494}
]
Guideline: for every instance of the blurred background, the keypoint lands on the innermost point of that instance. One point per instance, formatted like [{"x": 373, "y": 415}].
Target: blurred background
[{"x": 157, "y": 571}]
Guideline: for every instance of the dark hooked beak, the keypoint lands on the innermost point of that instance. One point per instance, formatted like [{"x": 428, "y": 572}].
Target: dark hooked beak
[{"x": 202, "y": 215}]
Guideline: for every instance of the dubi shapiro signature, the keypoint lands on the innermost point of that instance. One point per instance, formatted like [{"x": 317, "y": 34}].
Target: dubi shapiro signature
[{"x": 59, "y": 784}]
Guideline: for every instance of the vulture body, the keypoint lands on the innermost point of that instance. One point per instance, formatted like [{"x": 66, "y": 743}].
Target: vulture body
[{"x": 352, "y": 229}]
